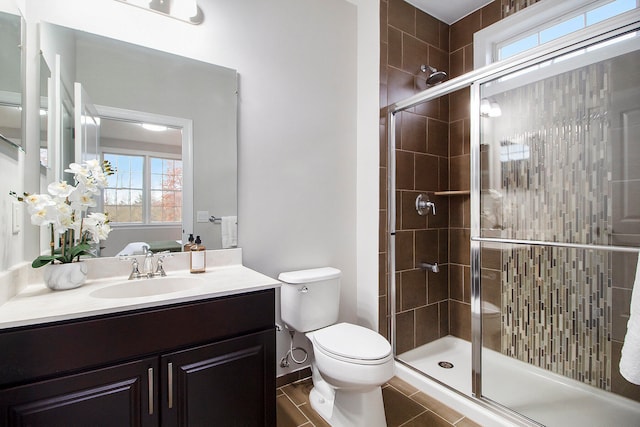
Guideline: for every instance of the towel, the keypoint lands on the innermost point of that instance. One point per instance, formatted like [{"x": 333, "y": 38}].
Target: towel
[
  {"x": 134, "y": 248},
  {"x": 630, "y": 360},
  {"x": 229, "y": 232}
]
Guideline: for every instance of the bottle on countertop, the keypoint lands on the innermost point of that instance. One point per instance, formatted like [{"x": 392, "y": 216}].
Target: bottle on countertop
[
  {"x": 197, "y": 257},
  {"x": 189, "y": 244}
]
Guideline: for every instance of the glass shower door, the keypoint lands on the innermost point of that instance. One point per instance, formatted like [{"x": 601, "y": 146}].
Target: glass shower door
[{"x": 559, "y": 231}]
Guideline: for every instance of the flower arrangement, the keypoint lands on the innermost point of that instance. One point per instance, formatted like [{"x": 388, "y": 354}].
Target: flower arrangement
[{"x": 65, "y": 211}]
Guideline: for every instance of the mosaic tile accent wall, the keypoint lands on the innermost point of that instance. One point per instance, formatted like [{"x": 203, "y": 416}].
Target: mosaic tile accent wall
[
  {"x": 556, "y": 311},
  {"x": 510, "y": 7},
  {"x": 554, "y": 185}
]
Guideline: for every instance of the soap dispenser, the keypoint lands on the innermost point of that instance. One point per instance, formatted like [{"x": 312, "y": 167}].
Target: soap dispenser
[
  {"x": 188, "y": 245},
  {"x": 197, "y": 257}
]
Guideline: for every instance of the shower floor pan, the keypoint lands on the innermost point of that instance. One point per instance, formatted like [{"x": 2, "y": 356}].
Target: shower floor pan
[{"x": 548, "y": 398}]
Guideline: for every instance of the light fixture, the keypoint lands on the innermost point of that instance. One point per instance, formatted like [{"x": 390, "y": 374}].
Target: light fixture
[
  {"x": 184, "y": 10},
  {"x": 153, "y": 128},
  {"x": 489, "y": 108}
]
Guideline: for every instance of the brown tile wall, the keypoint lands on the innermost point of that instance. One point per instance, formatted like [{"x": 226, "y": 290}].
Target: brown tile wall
[
  {"x": 433, "y": 154},
  {"x": 410, "y": 38}
]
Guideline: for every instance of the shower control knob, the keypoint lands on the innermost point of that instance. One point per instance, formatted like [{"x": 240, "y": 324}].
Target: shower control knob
[{"x": 423, "y": 204}]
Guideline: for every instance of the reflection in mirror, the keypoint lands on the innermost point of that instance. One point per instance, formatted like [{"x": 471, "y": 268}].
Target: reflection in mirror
[
  {"x": 197, "y": 100},
  {"x": 10, "y": 80},
  {"x": 45, "y": 75},
  {"x": 146, "y": 189}
]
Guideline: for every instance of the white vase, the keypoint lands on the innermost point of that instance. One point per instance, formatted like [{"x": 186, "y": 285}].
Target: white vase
[{"x": 65, "y": 276}]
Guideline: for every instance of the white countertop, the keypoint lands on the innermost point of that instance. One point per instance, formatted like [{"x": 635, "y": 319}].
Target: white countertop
[{"x": 37, "y": 304}]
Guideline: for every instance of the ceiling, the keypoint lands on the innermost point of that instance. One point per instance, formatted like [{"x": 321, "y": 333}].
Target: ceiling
[
  {"x": 448, "y": 11},
  {"x": 133, "y": 131}
]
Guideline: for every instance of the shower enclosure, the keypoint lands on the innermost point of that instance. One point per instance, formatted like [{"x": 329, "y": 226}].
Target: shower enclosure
[{"x": 553, "y": 237}]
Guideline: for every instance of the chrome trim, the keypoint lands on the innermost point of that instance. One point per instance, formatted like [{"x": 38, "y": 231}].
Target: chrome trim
[
  {"x": 611, "y": 248},
  {"x": 170, "y": 384},
  {"x": 150, "y": 385},
  {"x": 391, "y": 228},
  {"x": 474, "y": 247}
]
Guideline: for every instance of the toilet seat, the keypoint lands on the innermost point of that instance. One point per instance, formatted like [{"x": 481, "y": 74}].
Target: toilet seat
[{"x": 353, "y": 344}]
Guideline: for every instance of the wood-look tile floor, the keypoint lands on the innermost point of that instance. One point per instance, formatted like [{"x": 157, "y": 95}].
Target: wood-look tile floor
[{"x": 404, "y": 406}]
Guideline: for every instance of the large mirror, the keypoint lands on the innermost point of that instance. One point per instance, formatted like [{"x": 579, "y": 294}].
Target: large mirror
[
  {"x": 10, "y": 80},
  {"x": 168, "y": 125}
]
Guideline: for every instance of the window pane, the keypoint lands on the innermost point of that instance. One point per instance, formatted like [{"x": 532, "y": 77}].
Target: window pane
[
  {"x": 123, "y": 196},
  {"x": 608, "y": 10},
  {"x": 518, "y": 46},
  {"x": 562, "y": 29},
  {"x": 166, "y": 190}
]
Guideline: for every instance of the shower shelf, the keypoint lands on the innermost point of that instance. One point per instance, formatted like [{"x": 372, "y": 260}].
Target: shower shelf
[{"x": 452, "y": 193}]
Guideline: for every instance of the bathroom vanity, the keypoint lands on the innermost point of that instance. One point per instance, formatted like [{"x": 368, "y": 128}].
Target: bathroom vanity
[{"x": 194, "y": 358}]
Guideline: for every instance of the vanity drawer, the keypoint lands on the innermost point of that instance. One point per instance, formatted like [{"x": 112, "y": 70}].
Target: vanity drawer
[{"x": 43, "y": 351}]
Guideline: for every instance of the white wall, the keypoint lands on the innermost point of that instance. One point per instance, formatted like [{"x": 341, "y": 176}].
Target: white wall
[{"x": 308, "y": 123}]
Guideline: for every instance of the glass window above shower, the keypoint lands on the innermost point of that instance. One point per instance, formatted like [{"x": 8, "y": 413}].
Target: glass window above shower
[{"x": 541, "y": 23}]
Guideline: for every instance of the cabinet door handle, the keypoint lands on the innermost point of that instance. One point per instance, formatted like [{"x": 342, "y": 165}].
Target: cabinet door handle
[
  {"x": 150, "y": 380},
  {"x": 170, "y": 383}
]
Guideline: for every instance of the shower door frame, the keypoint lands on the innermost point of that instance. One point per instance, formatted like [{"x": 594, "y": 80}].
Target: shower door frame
[{"x": 608, "y": 29}]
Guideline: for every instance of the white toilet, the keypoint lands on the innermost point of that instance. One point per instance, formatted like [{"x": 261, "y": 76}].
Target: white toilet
[{"x": 351, "y": 362}]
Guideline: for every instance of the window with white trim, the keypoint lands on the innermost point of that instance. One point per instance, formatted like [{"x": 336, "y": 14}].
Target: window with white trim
[
  {"x": 542, "y": 23},
  {"x": 145, "y": 189}
]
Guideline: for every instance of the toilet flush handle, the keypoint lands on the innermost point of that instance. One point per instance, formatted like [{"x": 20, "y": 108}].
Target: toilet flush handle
[{"x": 303, "y": 289}]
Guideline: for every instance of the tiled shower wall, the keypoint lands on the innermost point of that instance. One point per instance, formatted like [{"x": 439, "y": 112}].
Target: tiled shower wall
[
  {"x": 411, "y": 38},
  {"x": 433, "y": 155}
]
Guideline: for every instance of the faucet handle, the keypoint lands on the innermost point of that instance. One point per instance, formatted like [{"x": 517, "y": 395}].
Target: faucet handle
[
  {"x": 159, "y": 265},
  {"x": 423, "y": 204},
  {"x": 135, "y": 270}
]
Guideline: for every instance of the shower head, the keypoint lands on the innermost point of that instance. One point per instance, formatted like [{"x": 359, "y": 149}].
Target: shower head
[{"x": 434, "y": 76}]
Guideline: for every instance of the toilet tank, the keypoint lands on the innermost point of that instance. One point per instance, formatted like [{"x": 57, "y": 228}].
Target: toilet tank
[{"x": 310, "y": 299}]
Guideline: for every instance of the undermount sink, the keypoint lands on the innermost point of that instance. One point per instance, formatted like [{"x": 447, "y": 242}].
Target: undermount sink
[{"x": 138, "y": 288}]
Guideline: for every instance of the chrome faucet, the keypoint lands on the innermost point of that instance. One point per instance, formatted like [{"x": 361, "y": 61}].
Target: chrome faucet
[
  {"x": 432, "y": 267},
  {"x": 148, "y": 269}
]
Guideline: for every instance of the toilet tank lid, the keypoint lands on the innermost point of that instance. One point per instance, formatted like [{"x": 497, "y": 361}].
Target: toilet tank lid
[{"x": 310, "y": 275}]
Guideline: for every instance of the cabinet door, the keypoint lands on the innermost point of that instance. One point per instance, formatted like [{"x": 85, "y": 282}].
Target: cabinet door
[
  {"x": 122, "y": 395},
  {"x": 229, "y": 383}
]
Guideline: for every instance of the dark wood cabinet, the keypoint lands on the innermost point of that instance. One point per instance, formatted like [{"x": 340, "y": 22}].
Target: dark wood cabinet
[
  {"x": 185, "y": 365},
  {"x": 220, "y": 384},
  {"x": 121, "y": 395}
]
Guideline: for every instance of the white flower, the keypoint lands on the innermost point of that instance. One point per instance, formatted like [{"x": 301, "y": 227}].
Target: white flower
[
  {"x": 64, "y": 218},
  {"x": 96, "y": 225},
  {"x": 98, "y": 216},
  {"x": 60, "y": 189},
  {"x": 63, "y": 209},
  {"x": 43, "y": 216},
  {"x": 78, "y": 170},
  {"x": 82, "y": 200},
  {"x": 38, "y": 202}
]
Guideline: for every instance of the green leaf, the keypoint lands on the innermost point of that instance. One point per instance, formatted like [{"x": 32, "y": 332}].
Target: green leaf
[
  {"x": 43, "y": 260},
  {"x": 80, "y": 249}
]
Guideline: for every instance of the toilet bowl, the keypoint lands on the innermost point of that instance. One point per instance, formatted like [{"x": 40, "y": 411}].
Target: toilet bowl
[
  {"x": 349, "y": 366},
  {"x": 350, "y": 362}
]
